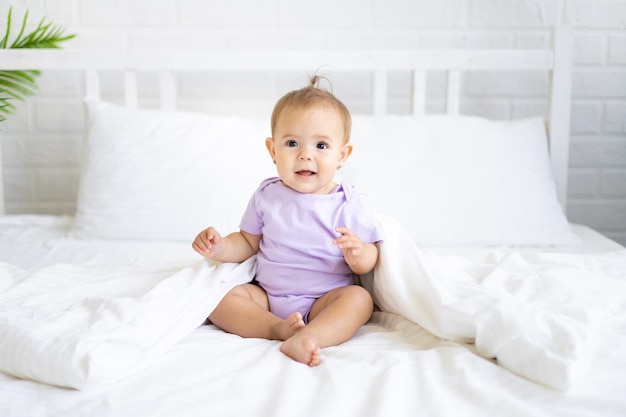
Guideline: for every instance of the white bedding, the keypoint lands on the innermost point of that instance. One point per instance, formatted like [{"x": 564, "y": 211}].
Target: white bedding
[
  {"x": 535, "y": 313},
  {"x": 80, "y": 327},
  {"x": 390, "y": 364},
  {"x": 77, "y": 326}
]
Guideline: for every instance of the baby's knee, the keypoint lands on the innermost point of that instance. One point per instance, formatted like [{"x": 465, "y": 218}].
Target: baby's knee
[
  {"x": 361, "y": 297},
  {"x": 238, "y": 290}
]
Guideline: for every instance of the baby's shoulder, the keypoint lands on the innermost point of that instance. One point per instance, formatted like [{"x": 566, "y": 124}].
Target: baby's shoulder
[
  {"x": 351, "y": 192},
  {"x": 268, "y": 182}
]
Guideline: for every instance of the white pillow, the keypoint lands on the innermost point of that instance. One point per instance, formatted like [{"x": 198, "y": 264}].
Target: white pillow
[
  {"x": 457, "y": 180},
  {"x": 149, "y": 174},
  {"x": 453, "y": 180}
]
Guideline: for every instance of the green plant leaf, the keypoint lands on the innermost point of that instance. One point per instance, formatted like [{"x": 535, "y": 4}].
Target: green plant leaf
[
  {"x": 5, "y": 39},
  {"x": 17, "y": 84},
  {"x": 46, "y": 35},
  {"x": 6, "y": 108}
]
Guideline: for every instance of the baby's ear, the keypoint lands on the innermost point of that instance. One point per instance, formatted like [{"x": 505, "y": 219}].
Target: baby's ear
[
  {"x": 269, "y": 144},
  {"x": 346, "y": 151}
]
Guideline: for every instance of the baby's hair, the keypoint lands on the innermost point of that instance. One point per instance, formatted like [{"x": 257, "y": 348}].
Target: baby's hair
[
  {"x": 311, "y": 96},
  {"x": 315, "y": 81}
]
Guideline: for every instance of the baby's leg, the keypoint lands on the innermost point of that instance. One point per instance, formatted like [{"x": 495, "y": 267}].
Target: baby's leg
[
  {"x": 244, "y": 311},
  {"x": 334, "y": 319}
]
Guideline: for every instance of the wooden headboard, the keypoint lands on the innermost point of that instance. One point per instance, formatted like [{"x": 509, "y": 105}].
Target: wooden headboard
[{"x": 555, "y": 61}]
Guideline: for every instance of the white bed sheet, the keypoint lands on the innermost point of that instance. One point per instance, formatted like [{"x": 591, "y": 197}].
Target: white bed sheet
[
  {"x": 35, "y": 241},
  {"x": 390, "y": 366}
]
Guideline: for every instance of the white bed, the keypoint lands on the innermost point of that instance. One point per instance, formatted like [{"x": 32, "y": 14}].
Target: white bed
[{"x": 492, "y": 303}]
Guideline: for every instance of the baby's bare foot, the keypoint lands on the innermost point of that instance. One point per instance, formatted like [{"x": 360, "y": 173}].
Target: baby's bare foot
[
  {"x": 289, "y": 326},
  {"x": 303, "y": 349}
]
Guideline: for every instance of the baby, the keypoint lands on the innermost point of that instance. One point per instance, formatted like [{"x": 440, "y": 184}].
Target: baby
[{"x": 310, "y": 235}]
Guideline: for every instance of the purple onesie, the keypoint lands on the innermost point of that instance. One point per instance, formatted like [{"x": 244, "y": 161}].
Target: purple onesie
[{"x": 297, "y": 261}]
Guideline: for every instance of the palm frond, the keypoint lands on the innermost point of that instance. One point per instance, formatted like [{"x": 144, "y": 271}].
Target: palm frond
[
  {"x": 46, "y": 35},
  {"x": 18, "y": 85},
  {"x": 24, "y": 21},
  {"x": 6, "y": 108},
  {"x": 5, "y": 39}
]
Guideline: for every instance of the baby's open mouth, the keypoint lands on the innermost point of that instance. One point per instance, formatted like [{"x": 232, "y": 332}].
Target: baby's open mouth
[{"x": 305, "y": 173}]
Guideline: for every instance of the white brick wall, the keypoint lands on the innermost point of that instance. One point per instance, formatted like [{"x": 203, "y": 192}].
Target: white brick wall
[{"x": 42, "y": 142}]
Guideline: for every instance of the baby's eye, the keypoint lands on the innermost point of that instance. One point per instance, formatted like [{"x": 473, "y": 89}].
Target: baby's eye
[
  {"x": 292, "y": 143},
  {"x": 322, "y": 145}
]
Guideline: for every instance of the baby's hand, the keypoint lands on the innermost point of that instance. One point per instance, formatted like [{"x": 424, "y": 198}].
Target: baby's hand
[
  {"x": 207, "y": 243},
  {"x": 350, "y": 244}
]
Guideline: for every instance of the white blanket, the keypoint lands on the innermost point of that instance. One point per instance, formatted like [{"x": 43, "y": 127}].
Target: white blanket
[
  {"x": 81, "y": 327},
  {"x": 536, "y": 314}
]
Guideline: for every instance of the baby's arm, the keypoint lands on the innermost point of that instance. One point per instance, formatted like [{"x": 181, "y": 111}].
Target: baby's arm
[
  {"x": 360, "y": 257},
  {"x": 236, "y": 247}
]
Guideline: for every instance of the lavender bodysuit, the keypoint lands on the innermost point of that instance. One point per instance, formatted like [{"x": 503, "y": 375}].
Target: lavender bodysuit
[{"x": 297, "y": 262}]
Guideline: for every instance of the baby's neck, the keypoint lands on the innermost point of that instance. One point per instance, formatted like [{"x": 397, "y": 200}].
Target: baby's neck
[{"x": 330, "y": 188}]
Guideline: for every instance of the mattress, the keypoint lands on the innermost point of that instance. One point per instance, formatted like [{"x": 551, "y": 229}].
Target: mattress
[{"x": 392, "y": 366}]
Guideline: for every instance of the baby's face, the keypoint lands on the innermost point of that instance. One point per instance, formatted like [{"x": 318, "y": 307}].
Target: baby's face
[{"x": 308, "y": 147}]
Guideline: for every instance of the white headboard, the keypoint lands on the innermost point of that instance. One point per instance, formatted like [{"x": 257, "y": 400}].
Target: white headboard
[{"x": 555, "y": 61}]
